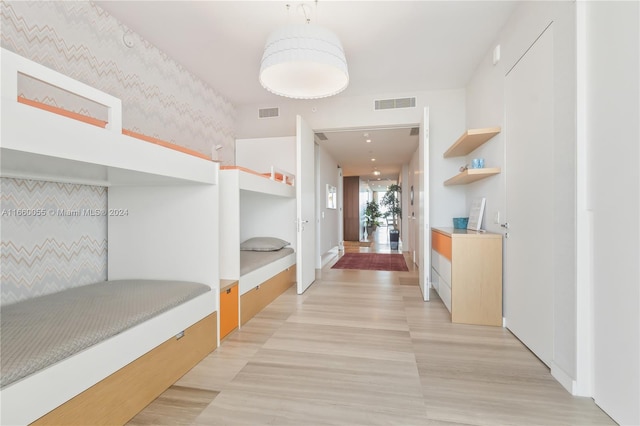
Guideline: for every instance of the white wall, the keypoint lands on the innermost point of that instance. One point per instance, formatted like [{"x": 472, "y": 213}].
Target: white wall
[
  {"x": 485, "y": 108},
  {"x": 329, "y": 218},
  {"x": 263, "y": 215},
  {"x": 612, "y": 131},
  {"x": 260, "y": 154},
  {"x": 447, "y": 108}
]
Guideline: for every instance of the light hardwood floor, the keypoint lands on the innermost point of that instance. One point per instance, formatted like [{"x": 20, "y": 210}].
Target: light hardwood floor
[{"x": 361, "y": 348}]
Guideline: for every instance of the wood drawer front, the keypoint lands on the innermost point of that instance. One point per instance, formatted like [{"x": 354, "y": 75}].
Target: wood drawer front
[
  {"x": 228, "y": 310},
  {"x": 441, "y": 243},
  {"x": 258, "y": 298},
  {"x": 122, "y": 395}
]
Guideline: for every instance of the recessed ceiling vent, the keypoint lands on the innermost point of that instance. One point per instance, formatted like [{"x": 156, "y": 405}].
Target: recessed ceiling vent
[
  {"x": 415, "y": 131},
  {"x": 268, "y": 112},
  {"x": 322, "y": 137},
  {"x": 395, "y": 103}
]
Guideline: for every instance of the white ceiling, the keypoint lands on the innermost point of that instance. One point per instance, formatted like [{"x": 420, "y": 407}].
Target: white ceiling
[{"x": 391, "y": 47}]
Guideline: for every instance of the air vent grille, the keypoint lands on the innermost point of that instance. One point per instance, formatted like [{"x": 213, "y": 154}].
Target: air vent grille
[
  {"x": 268, "y": 112},
  {"x": 395, "y": 103},
  {"x": 322, "y": 137},
  {"x": 415, "y": 131}
]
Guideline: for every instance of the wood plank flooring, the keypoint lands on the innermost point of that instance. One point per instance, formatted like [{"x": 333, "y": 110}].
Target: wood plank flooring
[{"x": 361, "y": 348}]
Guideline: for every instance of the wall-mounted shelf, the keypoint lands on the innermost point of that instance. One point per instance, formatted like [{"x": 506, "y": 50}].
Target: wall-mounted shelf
[
  {"x": 470, "y": 140},
  {"x": 472, "y": 175}
]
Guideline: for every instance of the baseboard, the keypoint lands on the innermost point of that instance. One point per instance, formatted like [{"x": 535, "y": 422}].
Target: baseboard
[{"x": 563, "y": 378}]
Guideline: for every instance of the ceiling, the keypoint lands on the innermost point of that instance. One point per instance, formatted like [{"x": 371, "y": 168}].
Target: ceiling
[
  {"x": 391, "y": 47},
  {"x": 389, "y": 147}
]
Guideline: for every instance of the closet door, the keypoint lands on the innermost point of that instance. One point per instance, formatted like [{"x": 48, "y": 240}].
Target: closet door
[
  {"x": 306, "y": 206},
  {"x": 528, "y": 281}
]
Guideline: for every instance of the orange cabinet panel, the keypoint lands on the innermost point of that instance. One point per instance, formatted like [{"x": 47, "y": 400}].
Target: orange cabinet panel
[
  {"x": 441, "y": 243},
  {"x": 228, "y": 310}
]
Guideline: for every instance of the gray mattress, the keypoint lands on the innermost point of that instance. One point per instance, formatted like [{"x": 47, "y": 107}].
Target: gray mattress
[
  {"x": 252, "y": 260},
  {"x": 39, "y": 332}
]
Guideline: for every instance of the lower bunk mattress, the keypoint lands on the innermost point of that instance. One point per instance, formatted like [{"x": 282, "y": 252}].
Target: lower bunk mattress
[
  {"x": 42, "y": 331},
  {"x": 252, "y": 260}
]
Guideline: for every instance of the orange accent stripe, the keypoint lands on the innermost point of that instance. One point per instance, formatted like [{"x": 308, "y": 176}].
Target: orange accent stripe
[
  {"x": 103, "y": 124},
  {"x": 441, "y": 243},
  {"x": 60, "y": 111},
  {"x": 164, "y": 143},
  {"x": 253, "y": 172}
]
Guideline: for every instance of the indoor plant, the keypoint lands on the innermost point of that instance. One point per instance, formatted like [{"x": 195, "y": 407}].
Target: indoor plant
[
  {"x": 391, "y": 200},
  {"x": 371, "y": 214}
]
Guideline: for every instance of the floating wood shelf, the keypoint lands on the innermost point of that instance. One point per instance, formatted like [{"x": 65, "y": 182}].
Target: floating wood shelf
[
  {"x": 472, "y": 175},
  {"x": 470, "y": 140}
]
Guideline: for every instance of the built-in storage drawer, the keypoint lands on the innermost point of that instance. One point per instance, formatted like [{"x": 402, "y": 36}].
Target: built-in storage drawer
[
  {"x": 441, "y": 271},
  {"x": 120, "y": 396},
  {"x": 228, "y": 307},
  {"x": 445, "y": 294},
  {"x": 441, "y": 243},
  {"x": 435, "y": 280}
]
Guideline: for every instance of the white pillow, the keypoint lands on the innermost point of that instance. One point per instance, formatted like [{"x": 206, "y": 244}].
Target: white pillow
[{"x": 263, "y": 244}]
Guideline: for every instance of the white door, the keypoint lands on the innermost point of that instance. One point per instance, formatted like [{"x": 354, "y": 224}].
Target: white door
[
  {"x": 305, "y": 201},
  {"x": 528, "y": 280},
  {"x": 424, "y": 236}
]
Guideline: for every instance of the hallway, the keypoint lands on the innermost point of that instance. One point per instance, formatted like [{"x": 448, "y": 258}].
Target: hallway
[{"x": 361, "y": 348}]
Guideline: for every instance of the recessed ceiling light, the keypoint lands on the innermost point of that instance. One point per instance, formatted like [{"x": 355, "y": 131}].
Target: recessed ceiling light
[
  {"x": 373, "y": 159},
  {"x": 378, "y": 178},
  {"x": 366, "y": 135},
  {"x": 376, "y": 172},
  {"x": 368, "y": 140}
]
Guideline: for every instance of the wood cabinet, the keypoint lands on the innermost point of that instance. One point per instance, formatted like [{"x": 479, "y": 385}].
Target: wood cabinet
[
  {"x": 229, "y": 313},
  {"x": 466, "y": 271},
  {"x": 466, "y": 144}
]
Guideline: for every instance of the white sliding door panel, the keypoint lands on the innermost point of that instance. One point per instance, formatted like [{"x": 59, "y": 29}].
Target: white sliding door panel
[
  {"x": 528, "y": 283},
  {"x": 305, "y": 199}
]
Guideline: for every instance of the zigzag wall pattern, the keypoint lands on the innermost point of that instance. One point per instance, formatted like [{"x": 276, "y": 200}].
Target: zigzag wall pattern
[
  {"x": 55, "y": 250},
  {"x": 160, "y": 98}
]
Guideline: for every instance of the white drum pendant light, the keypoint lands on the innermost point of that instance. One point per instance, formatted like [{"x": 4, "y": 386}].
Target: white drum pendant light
[{"x": 304, "y": 61}]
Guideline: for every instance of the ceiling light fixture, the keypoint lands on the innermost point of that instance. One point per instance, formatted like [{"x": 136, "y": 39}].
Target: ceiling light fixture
[
  {"x": 376, "y": 172},
  {"x": 304, "y": 61},
  {"x": 368, "y": 140},
  {"x": 373, "y": 159}
]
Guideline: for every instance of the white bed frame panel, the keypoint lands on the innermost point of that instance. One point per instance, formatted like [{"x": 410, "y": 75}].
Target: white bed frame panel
[
  {"x": 254, "y": 278},
  {"x": 169, "y": 233},
  {"x": 172, "y": 203},
  {"x": 38, "y": 144},
  {"x": 230, "y": 224}
]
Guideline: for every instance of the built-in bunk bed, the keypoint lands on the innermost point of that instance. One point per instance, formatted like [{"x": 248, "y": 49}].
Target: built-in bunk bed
[
  {"x": 257, "y": 235},
  {"x": 99, "y": 353}
]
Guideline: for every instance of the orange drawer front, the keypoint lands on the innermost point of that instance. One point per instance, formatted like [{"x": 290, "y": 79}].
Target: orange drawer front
[
  {"x": 441, "y": 243},
  {"x": 228, "y": 310}
]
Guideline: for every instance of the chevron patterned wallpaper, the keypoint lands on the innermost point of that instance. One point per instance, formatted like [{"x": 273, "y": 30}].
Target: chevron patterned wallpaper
[
  {"x": 44, "y": 254},
  {"x": 159, "y": 97},
  {"x": 47, "y": 244}
]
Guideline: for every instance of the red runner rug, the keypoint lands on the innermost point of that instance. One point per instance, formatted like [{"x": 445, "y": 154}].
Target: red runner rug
[{"x": 372, "y": 262}]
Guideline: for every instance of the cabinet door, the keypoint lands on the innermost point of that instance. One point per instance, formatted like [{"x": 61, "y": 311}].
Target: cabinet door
[{"x": 228, "y": 311}]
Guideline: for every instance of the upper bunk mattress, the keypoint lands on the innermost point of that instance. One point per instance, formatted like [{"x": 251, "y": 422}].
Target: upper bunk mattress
[
  {"x": 252, "y": 260},
  {"x": 39, "y": 332}
]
